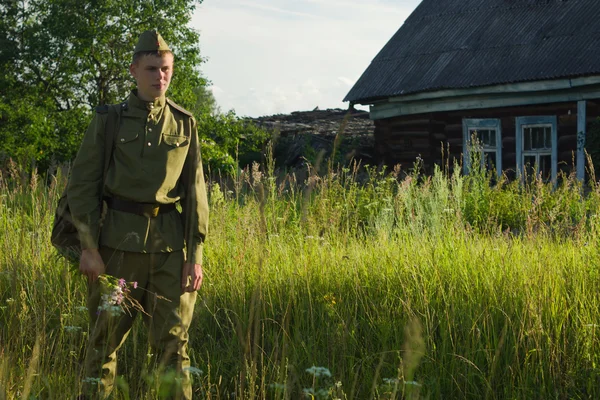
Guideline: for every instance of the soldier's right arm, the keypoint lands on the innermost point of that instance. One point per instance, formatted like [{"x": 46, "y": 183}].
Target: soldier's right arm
[{"x": 85, "y": 183}]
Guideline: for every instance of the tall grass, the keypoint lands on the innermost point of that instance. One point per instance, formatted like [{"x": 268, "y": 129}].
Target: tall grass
[{"x": 355, "y": 283}]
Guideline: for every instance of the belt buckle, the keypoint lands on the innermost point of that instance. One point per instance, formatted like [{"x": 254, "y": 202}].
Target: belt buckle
[{"x": 154, "y": 212}]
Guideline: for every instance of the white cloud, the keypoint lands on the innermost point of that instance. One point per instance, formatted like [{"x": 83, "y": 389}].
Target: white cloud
[
  {"x": 346, "y": 81},
  {"x": 216, "y": 90},
  {"x": 370, "y": 6},
  {"x": 269, "y": 56},
  {"x": 274, "y": 9}
]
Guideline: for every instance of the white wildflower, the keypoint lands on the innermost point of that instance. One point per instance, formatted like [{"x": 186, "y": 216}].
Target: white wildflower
[
  {"x": 71, "y": 328},
  {"x": 319, "y": 371},
  {"x": 194, "y": 370}
]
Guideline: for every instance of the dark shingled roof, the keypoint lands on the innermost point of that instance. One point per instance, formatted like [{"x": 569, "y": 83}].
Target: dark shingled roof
[{"x": 453, "y": 44}]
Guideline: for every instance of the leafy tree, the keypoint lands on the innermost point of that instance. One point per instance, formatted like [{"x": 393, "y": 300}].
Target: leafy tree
[
  {"x": 229, "y": 142},
  {"x": 205, "y": 102},
  {"x": 61, "y": 58}
]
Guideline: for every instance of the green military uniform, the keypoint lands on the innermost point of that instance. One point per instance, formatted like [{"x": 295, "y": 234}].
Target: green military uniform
[{"x": 156, "y": 160}]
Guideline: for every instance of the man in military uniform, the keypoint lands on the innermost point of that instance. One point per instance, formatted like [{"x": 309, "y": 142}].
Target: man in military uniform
[{"x": 155, "y": 164}]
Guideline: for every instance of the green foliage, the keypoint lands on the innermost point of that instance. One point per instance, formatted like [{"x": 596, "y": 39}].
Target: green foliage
[
  {"x": 229, "y": 142},
  {"x": 386, "y": 288},
  {"x": 61, "y": 58},
  {"x": 42, "y": 137}
]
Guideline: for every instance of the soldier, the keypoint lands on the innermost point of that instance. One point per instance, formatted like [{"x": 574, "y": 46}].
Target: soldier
[{"x": 155, "y": 165}]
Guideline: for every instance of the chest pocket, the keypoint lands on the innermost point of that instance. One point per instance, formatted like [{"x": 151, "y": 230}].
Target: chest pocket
[{"x": 175, "y": 141}]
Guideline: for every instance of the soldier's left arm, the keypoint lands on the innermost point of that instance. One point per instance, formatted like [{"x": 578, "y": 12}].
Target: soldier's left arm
[
  {"x": 195, "y": 204},
  {"x": 85, "y": 183}
]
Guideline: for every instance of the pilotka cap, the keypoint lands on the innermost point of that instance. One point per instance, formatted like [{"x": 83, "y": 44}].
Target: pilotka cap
[{"x": 151, "y": 41}]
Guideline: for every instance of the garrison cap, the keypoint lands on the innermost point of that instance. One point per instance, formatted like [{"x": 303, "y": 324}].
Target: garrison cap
[{"x": 151, "y": 41}]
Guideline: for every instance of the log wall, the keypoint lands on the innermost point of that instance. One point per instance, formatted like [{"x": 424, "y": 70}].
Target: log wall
[{"x": 438, "y": 137}]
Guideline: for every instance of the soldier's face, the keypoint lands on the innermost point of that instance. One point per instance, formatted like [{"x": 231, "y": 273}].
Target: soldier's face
[{"x": 153, "y": 75}]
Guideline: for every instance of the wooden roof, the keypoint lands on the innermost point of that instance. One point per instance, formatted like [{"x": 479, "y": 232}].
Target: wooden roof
[{"x": 454, "y": 44}]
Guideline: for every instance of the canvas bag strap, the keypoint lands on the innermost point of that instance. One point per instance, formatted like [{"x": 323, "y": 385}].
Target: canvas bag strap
[{"x": 112, "y": 124}]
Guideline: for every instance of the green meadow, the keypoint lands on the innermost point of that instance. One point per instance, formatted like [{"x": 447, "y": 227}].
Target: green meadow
[{"x": 351, "y": 283}]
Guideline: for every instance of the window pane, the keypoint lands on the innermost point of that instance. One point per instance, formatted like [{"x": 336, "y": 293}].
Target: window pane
[
  {"x": 529, "y": 165},
  {"x": 473, "y": 135},
  {"x": 537, "y": 137},
  {"x": 529, "y": 160},
  {"x": 548, "y": 137},
  {"x": 537, "y": 146},
  {"x": 491, "y": 138},
  {"x": 527, "y": 139},
  {"x": 545, "y": 167},
  {"x": 485, "y": 137},
  {"x": 489, "y": 159}
]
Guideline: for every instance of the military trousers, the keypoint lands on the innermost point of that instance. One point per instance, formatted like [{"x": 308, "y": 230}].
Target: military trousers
[{"x": 167, "y": 314}]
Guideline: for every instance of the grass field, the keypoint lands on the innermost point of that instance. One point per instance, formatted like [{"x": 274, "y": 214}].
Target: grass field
[{"x": 397, "y": 287}]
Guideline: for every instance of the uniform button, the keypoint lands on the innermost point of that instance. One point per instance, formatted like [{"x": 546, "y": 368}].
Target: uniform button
[
  {"x": 149, "y": 144},
  {"x": 149, "y": 129},
  {"x": 177, "y": 144},
  {"x": 122, "y": 140},
  {"x": 151, "y": 105}
]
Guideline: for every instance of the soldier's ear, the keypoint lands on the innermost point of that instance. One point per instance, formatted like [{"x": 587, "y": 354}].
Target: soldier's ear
[{"x": 133, "y": 70}]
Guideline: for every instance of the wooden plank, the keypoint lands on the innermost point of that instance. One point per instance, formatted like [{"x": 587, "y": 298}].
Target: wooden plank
[
  {"x": 407, "y": 157},
  {"x": 569, "y": 141},
  {"x": 454, "y": 127},
  {"x": 409, "y": 145},
  {"x": 567, "y": 156},
  {"x": 508, "y": 114},
  {"x": 508, "y": 141},
  {"x": 397, "y": 123},
  {"x": 509, "y": 88},
  {"x": 410, "y": 133},
  {"x": 483, "y": 101}
]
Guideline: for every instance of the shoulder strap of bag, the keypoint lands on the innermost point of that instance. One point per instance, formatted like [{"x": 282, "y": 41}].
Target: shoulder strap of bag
[{"x": 112, "y": 125}]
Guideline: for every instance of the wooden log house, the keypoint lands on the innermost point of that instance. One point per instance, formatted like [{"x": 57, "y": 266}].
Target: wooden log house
[{"x": 523, "y": 77}]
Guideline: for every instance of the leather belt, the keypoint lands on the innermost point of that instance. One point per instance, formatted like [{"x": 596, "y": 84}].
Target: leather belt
[{"x": 150, "y": 210}]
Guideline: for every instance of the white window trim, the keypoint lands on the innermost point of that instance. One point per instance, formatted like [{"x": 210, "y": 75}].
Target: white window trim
[
  {"x": 525, "y": 122},
  {"x": 483, "y": 123}
]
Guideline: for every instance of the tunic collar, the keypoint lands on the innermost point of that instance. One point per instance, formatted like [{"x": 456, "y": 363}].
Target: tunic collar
[{"x": 152, "y": 106}]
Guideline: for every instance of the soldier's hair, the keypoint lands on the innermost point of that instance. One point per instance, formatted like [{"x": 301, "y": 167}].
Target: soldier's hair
[{"x": 156, "y": 53}]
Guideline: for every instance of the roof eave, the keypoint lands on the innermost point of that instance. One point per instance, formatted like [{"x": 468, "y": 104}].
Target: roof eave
[{"x": 514, "y": 94}]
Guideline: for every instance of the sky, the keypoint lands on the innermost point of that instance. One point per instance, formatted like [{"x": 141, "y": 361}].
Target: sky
[{"x": 267, "y": 57}]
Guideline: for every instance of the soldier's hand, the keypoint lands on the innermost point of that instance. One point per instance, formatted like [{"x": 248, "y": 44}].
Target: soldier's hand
[
  {"x": 191, "y": 278},
  {"x": 91, "y": 264}
]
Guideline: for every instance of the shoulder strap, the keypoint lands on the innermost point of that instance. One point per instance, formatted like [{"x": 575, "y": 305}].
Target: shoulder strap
[
  {"x": 103, "y": 109},
  {"x": 112, "y": 125},
  {"x": 179, "y": 108}
]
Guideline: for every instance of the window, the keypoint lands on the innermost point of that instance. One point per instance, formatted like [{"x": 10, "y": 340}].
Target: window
[
  {"x": 489, "y": 140},
  {"x": 537, "y": 147}
]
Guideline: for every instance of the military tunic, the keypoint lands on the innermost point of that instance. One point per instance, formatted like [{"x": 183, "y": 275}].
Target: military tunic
[{"x": 156, "y": 159}]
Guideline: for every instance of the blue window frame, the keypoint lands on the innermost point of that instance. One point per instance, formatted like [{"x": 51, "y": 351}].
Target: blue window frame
[
  {"x": 488, "y": 132},
  {"x": 537, "y": 149}
]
